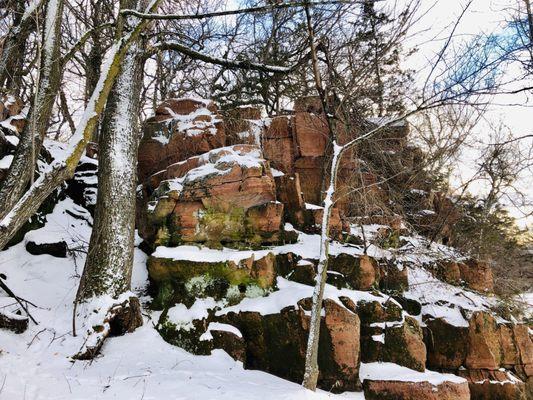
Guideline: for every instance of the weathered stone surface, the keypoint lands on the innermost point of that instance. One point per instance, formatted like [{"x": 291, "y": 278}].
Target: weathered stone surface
[
  {"x": 360, "y": 273},
  {"x": 182, "y": 281},
  {"x": 224, "y": 196},
  {"x": 393, "y": 277},
  {"x": 230, "y": 343},
  {"x": 477, "y": 275},
  {"x": 404, "y": 345},
  {"x": 289, "y": 192},
  {"x": 310, "y": 170},
  {"x": 494, "y": 385},
  {"x": 311, "y": 133},
  {"x": 181, "y": 128},
  {"x": 484, "y": 345},
  {"x": 399, "y": 390},
  {"x": 276, "y": 343},
  {"x": 448, "y": 271},
  {"x": 447, "y": 345}
]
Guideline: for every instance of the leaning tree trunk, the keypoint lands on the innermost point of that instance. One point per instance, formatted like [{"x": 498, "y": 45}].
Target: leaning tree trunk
[
  {"x": 22, "y": 166},
  {"x": 13, "y": 49},
  {"x": 109, "y": 263},
  {"x": 63, "y": 168}
]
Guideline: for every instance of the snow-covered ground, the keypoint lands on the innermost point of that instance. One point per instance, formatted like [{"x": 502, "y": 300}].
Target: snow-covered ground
[{"x": 141, "y": 365}]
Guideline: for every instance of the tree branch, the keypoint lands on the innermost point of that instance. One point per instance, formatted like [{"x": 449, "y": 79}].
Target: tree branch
[{"x": 249, "y": 10}]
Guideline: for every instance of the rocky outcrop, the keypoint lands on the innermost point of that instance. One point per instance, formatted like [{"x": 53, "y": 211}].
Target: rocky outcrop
[
  {"x": 276, "y": 343},
  {"x": 400, "y": 390},
  {"x": 181, "y": 128},
  {"x": 494, "y": 385},
  {"x": 196, "y": 192},
  {"x": 224, "y": 196}
]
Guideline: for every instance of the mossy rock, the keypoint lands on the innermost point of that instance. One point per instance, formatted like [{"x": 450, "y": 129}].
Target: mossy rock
[
  {"x": 446, "y": 344},
  {"x": 404, "y": 345},
  {"x": 373, "y": 311},
  {"x": 182, "y": 281}
]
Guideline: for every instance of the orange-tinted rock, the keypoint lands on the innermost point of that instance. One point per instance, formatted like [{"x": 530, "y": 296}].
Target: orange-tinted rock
[
  {"x": 447, "y": 345},
  {"x": 448, "y": 271},
  {"x": 484, "y": 345},
  {"x": 343, "y": 328},
  {"x": 226, "y": 195},
  {"x": 477, "y": 275},
  {"x": 310, "y": 170},
  {"x": 524, "y": 346},
  {"x": 280, "y": 153},
  {"x": 357, "y": 272},
  {"x": 494, "y": 385},
  {"x": 404, "y": 345},
  {"x": 314, "y": 217},
  {"x": 311, "y": 133},
  {"x": 399, "y": 390},
  {"x": 276, "y": 343},
  {"x": 181, "y": 128}
]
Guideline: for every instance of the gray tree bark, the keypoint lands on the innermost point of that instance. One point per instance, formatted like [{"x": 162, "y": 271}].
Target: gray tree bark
[{"x": 22, "y": 167}]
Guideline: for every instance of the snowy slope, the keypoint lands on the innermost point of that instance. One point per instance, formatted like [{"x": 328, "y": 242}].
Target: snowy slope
[{"x": 141, "y": 365}]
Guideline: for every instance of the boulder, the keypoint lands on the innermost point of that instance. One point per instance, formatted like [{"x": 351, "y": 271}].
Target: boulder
[
  {"x": 477, "y": 275},
  {"x": 404, "y": 345},
  {"x": 224, "y": 196},
  {"x": 494, "y": 385},
  {"x": 447, "y": 345},
  {"x": 356, "y": 272},
  {"x": 182, "y": 281},
  {"x": 400, "y": 390}
]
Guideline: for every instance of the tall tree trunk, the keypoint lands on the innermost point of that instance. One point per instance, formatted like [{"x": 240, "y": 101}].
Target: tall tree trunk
[
  {"x": 110, "y": 258},
  {"x": 109, "y": 262},
  {"x": 22, "y": 167},
  {"x": 63, "y": 168},
  {"x": 12, "y": 54}
]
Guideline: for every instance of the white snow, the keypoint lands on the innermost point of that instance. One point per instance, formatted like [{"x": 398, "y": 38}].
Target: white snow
[
  {"x": 37, "y": 365},
  {"x": 217, "y": 326},
  {"x": 6, "y": 161},
  {"x": 290, "y": 293},
  {"x": 384, "y": 371}
]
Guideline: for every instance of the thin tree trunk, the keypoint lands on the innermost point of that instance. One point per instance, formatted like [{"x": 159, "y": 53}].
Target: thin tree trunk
[
  {"x": 22, "y": 167},
  {"x": 12, "y": 54}
]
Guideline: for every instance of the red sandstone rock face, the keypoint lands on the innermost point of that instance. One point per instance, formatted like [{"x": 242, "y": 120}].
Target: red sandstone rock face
[
  {"x": 226, "y": 195},
  {"x": 484, "y": 346},
  {"x": 494, "y": 385},
  {"x": 276, "y": 343},
  {"x": 181, "y": 128},
  {"x": 397, "y": 390},
  {"x": 477, "y": 275}
]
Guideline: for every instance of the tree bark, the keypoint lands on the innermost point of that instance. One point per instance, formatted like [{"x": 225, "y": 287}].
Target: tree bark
[
  {"x": 12, "y": 54},
  {"x": 22, "y": 167},
  {"x": 110, "y": 257}
]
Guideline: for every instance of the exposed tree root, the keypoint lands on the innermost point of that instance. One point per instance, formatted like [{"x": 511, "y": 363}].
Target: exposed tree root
[{"x": 120, "y": 318}]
